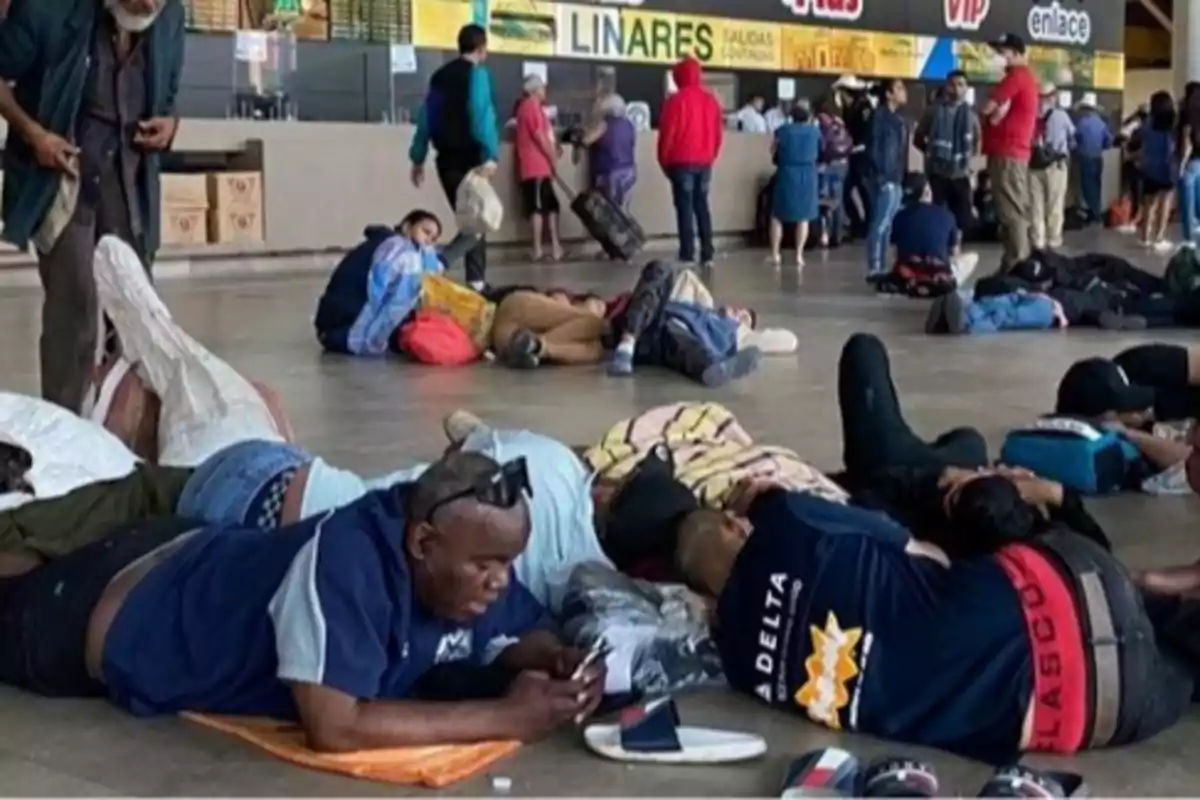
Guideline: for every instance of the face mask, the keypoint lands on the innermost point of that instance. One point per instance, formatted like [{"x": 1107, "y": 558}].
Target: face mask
[{"x": 129, "y": 22}]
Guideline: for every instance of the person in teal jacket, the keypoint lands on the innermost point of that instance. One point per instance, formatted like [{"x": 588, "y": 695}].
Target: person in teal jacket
[
  {"x": 459, "y": 118},
  {"x": 88, "y": 89}
]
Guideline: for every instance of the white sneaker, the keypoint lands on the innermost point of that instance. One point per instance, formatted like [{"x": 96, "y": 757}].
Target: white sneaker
[
  {"x": 1126, "y": 229},
  {"x": 1163, "y": 246}
]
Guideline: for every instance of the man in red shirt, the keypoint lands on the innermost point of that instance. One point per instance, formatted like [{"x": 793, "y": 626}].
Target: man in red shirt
[
  {"x": 1009, "y": 118},
  {"x": 689, "y": 139}
]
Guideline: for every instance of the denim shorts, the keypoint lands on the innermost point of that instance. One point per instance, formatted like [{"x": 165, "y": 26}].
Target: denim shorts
[{"x": 232, "y": 486}]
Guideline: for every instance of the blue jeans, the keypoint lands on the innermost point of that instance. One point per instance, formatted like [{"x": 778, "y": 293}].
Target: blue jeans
[
  {"x": 1091, "y": 181},
  {"x": 1189, "y": 200},
  {"x": 689, "y": 191},
  {"x": 223, "y": 489},
  {"x": 884, "y": 205},
  {"x": 1010, "y": 312},
  {"x": 831, "y": 189}
]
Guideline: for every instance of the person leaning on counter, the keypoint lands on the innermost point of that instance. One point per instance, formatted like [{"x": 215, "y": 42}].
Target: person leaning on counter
[{"x": 88, "y": 90}]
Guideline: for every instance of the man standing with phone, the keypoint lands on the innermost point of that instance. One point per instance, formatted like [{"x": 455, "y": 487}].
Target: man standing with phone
[
  {"x": 459, "y": 118},
  {"x": 88, "y": 91}
]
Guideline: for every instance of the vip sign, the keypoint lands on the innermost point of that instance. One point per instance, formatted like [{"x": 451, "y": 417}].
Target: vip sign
[
  {"x": 844, "y": 10},
  {"x": 1058, "y": 25},
  {"x": 966, "y": 15}
]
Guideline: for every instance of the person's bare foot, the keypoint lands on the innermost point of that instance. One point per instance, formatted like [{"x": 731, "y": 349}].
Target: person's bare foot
[
  {"x": 1181, "y": 580},
  {"x": 556, "y": 254}
]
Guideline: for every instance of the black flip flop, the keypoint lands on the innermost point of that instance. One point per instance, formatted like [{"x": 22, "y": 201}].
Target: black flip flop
[
  {"x": 894, "y": 776},
  {"x": 1021, "y": 781}
]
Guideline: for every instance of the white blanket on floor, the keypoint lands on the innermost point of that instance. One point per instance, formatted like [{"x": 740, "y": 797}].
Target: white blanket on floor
[
  {"x": 68, "y": 451},
  {"x": 206, "y": 404}
]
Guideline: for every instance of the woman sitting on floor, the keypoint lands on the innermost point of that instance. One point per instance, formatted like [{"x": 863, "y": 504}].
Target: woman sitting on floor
[{"x": 377, "y": 285}]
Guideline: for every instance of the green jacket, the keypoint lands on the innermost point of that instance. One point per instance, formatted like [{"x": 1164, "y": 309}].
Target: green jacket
[{"x": 45, "y": 50}]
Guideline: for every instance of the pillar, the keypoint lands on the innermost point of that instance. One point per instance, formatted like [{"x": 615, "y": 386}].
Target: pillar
[{"x": 1185, "y": 44}]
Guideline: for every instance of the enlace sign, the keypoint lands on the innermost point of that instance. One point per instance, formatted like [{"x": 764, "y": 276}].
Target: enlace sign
[{"x": 1057, "y": 25}]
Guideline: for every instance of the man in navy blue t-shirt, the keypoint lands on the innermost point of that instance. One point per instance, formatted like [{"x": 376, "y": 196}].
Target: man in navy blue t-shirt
[
  {"x": 926, "y": 234},
  {"x": 835, "y": 612},
  {"x": 332, "y": 621}
]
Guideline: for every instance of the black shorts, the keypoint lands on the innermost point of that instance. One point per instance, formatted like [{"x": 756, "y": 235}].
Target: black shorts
[
  {"x": 538, "y": 197},
  {"x": 1163, "y": 367},
  {"x": 1150, "y": 186},
  {"x": 44, "y": 614}
]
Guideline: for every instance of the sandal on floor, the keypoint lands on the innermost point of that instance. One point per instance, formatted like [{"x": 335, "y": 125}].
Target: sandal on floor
[
  {"x": 652, "y": 733},
  {"x": 892, "y": 776},
  {"x": 831, "y": 772},
  {"x": 1020, "y": 781}
]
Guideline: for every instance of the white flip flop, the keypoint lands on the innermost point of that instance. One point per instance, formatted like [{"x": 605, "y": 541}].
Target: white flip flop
[{"x": 652, "y": 733}]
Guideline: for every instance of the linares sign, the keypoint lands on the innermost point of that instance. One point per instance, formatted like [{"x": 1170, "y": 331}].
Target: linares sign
[{"x": 1058, "y": 25}]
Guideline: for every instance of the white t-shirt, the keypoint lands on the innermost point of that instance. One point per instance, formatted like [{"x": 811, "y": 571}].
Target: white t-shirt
[
  {"x": 68, "y": 451},
  {"x": 751, "y": 120}
]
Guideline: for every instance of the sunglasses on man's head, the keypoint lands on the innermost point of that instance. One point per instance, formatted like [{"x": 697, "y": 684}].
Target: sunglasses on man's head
[{"x": 502, "y": 489}]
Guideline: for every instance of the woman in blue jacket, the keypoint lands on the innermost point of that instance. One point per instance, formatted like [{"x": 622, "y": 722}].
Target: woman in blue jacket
[
  {"x": 796, "y": 148},
  {"x": 377, "y": 285}
]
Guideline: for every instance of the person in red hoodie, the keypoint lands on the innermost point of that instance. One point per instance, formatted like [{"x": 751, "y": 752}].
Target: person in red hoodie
[{"x": 689, "y": 139}]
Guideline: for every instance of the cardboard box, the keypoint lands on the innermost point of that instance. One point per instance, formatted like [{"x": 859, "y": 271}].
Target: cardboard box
[
  {"x": 235, "y": 190},
  {"x": 235, "y": 226},
  {"x": 185, "y": 191},
  {"x": 184, "y": 226}
]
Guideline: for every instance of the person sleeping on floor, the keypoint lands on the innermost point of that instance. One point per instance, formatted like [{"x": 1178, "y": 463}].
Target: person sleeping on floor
[
  {"x": 669, "y": 319},
  {"x": 335, "y": 622},
  {"x": 1050, "y": 292}
]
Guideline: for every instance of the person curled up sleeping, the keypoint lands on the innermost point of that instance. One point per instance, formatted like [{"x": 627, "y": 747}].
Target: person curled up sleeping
[{"x": 333, "y": 621}]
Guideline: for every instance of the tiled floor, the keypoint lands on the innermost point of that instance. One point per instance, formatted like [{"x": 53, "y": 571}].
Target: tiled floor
[{"x": 374, "y": 415}]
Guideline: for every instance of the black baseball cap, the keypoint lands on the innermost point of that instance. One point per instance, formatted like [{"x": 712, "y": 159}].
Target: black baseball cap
[
  {"x": 1009, "y": 41},
  {"x": 1095, "y": 386}
]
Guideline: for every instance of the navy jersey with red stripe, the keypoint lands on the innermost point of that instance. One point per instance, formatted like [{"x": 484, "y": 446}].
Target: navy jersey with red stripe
[{"x": 825, "y": 614}]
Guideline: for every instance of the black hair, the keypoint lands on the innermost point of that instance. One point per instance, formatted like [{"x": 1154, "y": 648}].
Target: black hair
[
  {"x": 416, "y": 217},
  {"x": 801, "y": 112},
  {"x": 957, "y": 73},
  {"x": 471, "y": 38},
  {"x": 885, "y": 86},
  {"x": 988, "y": 514},
  {"x": 828, "y": 104},
  {"x": 1162, "y": 111}
]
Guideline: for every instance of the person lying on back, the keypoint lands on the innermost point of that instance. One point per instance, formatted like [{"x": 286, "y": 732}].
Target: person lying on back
[{"x": 331, "y": 621}]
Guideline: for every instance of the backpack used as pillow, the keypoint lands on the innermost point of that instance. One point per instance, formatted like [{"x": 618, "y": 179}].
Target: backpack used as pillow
[{"x": 1074, "y": 453}]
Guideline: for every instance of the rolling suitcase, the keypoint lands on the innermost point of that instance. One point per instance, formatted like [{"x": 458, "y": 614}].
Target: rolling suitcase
[{"x": 617, "y": 232}]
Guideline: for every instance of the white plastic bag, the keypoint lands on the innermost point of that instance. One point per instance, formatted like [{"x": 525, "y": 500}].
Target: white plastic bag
[
  {"x": 68, "y": 451},
  {"x": 480, "y": 211},
  {"x": 206, "y": 404}
]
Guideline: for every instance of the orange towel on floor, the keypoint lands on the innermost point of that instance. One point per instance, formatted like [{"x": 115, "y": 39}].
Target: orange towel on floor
[{"x": 434, "y": 767}]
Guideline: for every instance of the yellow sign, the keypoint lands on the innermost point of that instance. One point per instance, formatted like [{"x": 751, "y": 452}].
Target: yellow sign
[
  {"x": 837, "y": 51},
  {"x": 590, "y": 32},
  {"x": 830, "y": 667},
  {"x": 522, "y": 27},
  {"x": 436, "y": 22},
  {"x": 1108, "y": 72},
  {"x": 746, "y": 45}
]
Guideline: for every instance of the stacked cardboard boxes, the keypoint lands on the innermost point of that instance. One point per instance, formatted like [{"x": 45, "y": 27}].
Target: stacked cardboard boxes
[
  {"x": 184, "y": 210},
  {"x": 235, "y": 213}
]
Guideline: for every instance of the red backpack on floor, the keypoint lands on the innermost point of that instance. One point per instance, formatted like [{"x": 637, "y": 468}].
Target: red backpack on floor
[{"x": 433, "y": 337}]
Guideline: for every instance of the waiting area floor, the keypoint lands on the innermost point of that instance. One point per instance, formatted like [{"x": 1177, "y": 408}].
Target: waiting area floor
[{"x": 371, "y": 416}]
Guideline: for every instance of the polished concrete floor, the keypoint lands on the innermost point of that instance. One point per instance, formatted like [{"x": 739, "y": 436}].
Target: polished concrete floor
[{"x": 374, "y": 415}]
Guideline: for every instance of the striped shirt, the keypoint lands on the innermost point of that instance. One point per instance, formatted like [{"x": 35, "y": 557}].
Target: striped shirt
[{"x": 711, "y": 450}]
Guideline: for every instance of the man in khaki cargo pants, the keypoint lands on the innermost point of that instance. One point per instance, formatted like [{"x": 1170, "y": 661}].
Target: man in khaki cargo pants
[{"x": 1009, "y": 119}]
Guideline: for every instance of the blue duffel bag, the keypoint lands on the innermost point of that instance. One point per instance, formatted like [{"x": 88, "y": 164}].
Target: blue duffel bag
[{"x": 1075, "y": 453}]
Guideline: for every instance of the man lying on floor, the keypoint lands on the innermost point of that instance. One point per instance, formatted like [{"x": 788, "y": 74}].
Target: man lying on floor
[
  {"x": 1109, "y": 294},
  {"x": 945, "y": 492},
  {"x": 1129, "y": 394},
  {"x": 830, "y": 611},
  {"x": 333, "y": 621},
  {"x": 669, "y": 319}
]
